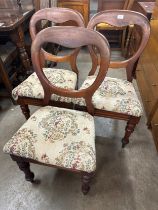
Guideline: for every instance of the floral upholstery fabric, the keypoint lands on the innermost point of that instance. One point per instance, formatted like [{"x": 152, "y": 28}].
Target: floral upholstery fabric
[
  {"x": 57, "y": 136},
  {"x": 116, "y": 95},
  {"x": 32, "y": 87}
]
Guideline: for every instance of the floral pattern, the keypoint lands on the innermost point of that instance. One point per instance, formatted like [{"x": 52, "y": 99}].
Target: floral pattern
[
  {"x": 115, "y": 95},
  {"x": 58, "y": 126},
  {"x": 26, "y": 139},
  {"x": 32, "y": 87},
  {"x": 57, "y": 136},
  {"x": 71, "y": 159}
]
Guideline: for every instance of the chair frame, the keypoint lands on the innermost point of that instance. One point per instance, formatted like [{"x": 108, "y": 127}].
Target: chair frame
[
  {"x": 76, "y": 38},
  {"x": 56, "y": 15},
  {"x": 129, "y": 17}
]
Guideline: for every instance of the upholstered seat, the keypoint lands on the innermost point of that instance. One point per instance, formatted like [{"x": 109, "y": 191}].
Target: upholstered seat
[
  {"x": 32, "y": 87},
  {"x": 116, "y": 95},
  {"x": 58, "y": 137},
  {"x": 103, "y": 26}
]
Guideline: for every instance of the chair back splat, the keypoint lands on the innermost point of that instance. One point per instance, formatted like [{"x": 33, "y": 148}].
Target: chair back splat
[
  {"x": 71, "y": 37},
  {"x": 121, "y": 18},
  {"x": 57, "y": 16},
  {"x": 30, "y": 92}
]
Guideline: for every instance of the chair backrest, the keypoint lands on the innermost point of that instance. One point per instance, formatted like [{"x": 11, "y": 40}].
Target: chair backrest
[
  {"x": 71, "y": 37},
  {"x": 57, "y": 16},
  {"x": 121, "y": 18}
]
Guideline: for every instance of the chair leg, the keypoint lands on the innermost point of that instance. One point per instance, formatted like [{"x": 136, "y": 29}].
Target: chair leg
[
  {"x": 25, "y": 110},
  {"x": 131, "y": 124},
  {"x": 25, "y": 167},
  {"x": 86, "y": 180}
]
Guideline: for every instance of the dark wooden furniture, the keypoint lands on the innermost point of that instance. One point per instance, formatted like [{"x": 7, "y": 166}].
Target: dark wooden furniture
[
  {"x": 129, "y": 17},
  {"x": 12, "y": 21},
  {"x": 144, "y": 7},
  {"x": 71, "y": 37},
  {"x": 8, "y": 71},
  {"x": 56, "y": 15},
  {"x": 82, "y": 6},
  {"x": 147, "y": 77},
  {"x": 147, "y": 8}
]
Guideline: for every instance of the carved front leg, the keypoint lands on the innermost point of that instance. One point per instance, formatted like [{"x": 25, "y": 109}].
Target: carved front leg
[
  {"x": 25, "y": 167},
  {"x": 131, "y": 124},
  {"x": 86, "y": 180},
  {"x": 25, "y": 110}
]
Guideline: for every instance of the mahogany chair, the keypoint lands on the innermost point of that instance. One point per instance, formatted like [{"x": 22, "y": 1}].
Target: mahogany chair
[
  {"x": 57, "y": 137},
  {"x": 30, "y": 92},
  {"x": 117, "y": 98},
  {"x": 104, "y": 26}
]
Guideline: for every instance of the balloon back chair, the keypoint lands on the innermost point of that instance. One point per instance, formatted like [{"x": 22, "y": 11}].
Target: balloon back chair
[
  {"x": 117, "y": 98},
  {"x": 55, "y": 136},
  {"x": 30, "y": 91}
]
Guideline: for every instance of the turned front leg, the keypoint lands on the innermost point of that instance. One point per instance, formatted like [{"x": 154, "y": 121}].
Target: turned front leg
[
  {"x": 86, "y": 180},
  {"x": 25, "y": 167},
  {"x": 131, "y": 124},
  {"x": 25, "y": 110}
]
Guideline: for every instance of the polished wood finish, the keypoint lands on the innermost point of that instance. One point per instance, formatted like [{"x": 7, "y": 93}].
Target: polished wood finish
[
  {"x": 79, "y": 38},
  {"x": 12, "y": 18},
  {"x": 147, "y": 79},
  {"x": 71, "y": 37},
  {"x": 82, "y": 6},
  {"x": 56, "y": 15},
  {"x": 128, "y": 17}
]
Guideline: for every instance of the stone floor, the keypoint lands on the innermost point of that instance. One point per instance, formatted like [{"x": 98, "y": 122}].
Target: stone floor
[{"x": 126, "y": 179}]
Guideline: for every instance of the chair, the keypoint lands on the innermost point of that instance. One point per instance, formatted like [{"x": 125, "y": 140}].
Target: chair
[
  {"x": 8, "y": 54},
  {"x": 30, "y": 92},
  {"x": 53, "y": 136},
  {"x": 124, "y": 39},
  {"x": 117, "y": 98}
]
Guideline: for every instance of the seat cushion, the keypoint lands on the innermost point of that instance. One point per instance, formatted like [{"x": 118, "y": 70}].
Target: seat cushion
[
  {"x": 103, "y": 26},
  {"x": 32, "y": 87},
  {"x": 58, "y": 137},
  {"x": 116, "y": 95}
]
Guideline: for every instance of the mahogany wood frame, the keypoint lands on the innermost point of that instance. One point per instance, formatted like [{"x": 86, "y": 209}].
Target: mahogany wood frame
[
  {"x": 56, "y": 15},
  {"x": 129, "y": 18},
  {"x": 71, "y": 37}
]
